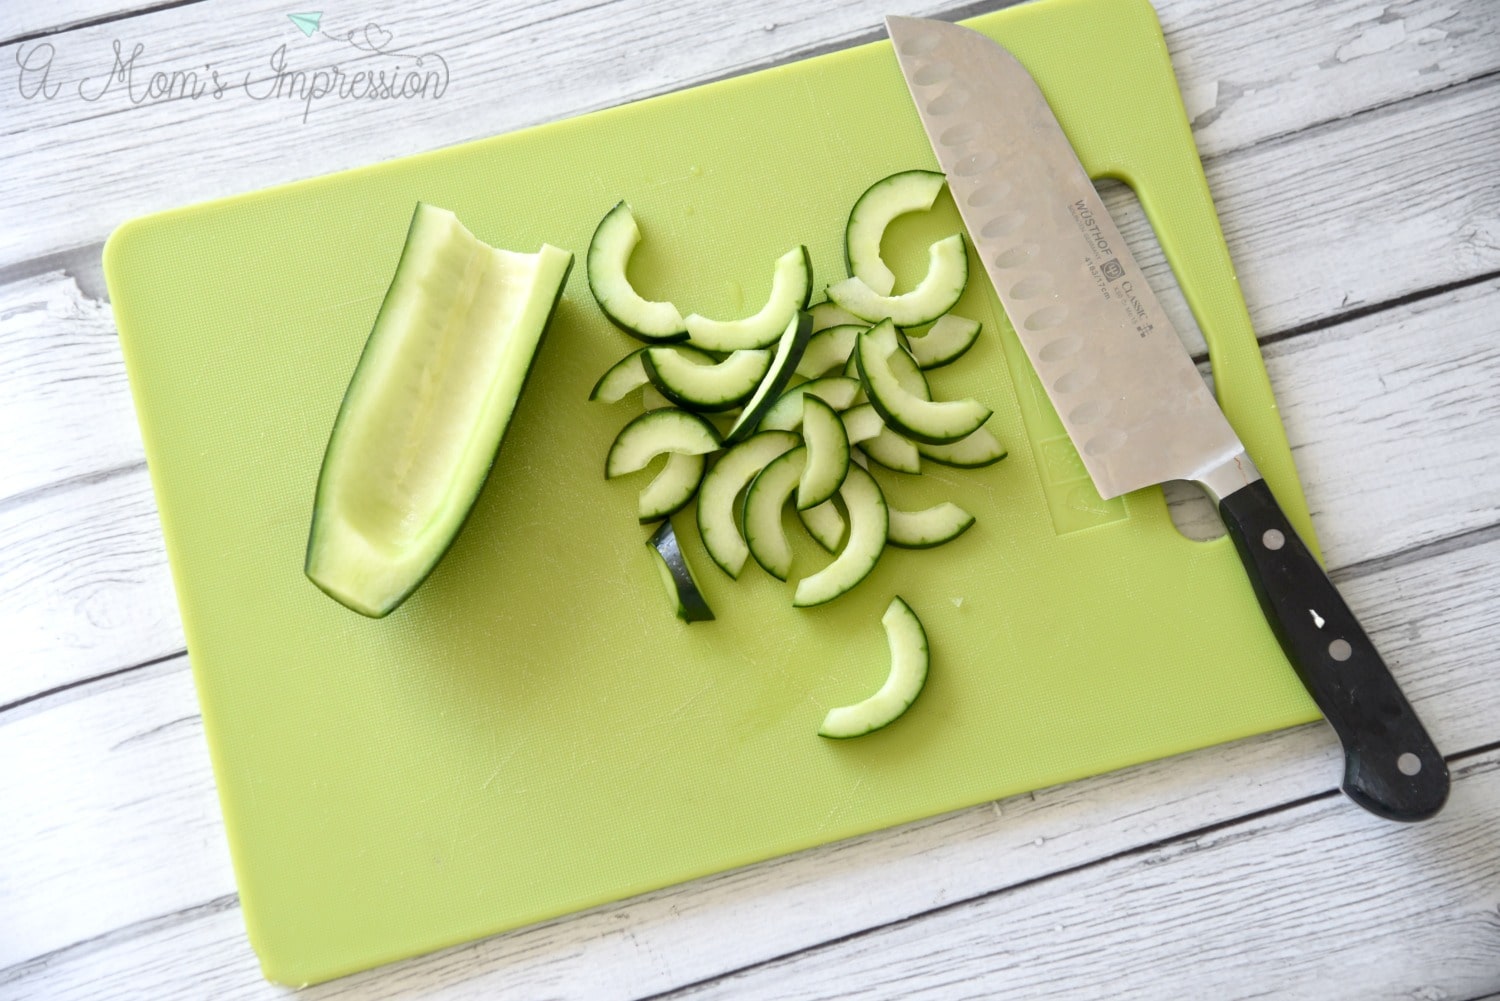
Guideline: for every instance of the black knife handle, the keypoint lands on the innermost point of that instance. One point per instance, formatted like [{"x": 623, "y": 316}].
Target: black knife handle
[{"x": 1391, "y": 767}]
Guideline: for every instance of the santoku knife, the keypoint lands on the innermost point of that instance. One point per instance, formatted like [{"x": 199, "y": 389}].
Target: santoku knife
[{"x": 1127, "y": 390}]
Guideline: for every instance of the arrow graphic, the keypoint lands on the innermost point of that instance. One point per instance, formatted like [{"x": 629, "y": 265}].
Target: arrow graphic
[{"x": 306, "y": 23}]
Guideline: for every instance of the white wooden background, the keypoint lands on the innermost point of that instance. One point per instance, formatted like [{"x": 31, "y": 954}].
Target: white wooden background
[{"x": 1354, "y": 149}]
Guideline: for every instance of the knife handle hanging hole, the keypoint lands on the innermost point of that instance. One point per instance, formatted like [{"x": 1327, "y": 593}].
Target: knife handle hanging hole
[
  {"x": 1408, "y": 764},
  {"x": 1273, "y": 539},
  {"x": 1340, "y": 650}
]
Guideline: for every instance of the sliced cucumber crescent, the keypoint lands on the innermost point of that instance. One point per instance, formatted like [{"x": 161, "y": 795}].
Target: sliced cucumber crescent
[
  {"x": 936, "y": 423},
  {"x": 791, "y": 285},
  {"x": 865, "y": 428},
  {"x": 764, "y": 502},
  {"x": 685, "y": 437},
  {"x": 883, "y": 201},
  {"x": 677, "y": 576},
  {"x": 827, "y": 314},
  {"x": 731, "y": 473},
  {"x": 427, "y": 407},
  {"x": 629, "y": 374},
  {"x": 909, "y": 664},
  {"x": 945, "y": 341},
  {"x": 608, "y": 257},
  {"x": 786, "y": 414},
  {"x": 829, "y": 350},
  {"x": 928, "y": 527},
  {"x": 869, "y": 523},
  {"x": 783, "y": 364},
  {"x": 713, "y": 387},
  {"x": 825, "y": 525},
  {"x": 908, "y": 373},
  {"x": 940, "y": 288},
  {"x": 827, "y": 453},
  {"x": 979, "y": 449}
]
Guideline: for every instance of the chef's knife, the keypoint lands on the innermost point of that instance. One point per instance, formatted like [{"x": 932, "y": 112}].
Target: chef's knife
[{"x": 1127, "y": 390}]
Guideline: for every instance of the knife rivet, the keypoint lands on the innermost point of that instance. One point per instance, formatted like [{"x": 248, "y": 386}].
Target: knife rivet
[
  {"x": 1340, "y": 650},
  {"x": 1273, "y": 539},
  {"x": 1409, "y": 764}
]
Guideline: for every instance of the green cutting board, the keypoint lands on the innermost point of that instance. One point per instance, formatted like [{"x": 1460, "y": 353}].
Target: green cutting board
[{"x": 533, "y": 732}]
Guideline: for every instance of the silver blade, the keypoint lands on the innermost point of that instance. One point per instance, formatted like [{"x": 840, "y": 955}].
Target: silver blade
[{"x": 1120, "y": 379}]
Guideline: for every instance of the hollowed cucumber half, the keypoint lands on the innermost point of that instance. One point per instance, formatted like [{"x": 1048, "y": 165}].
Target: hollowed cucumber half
[
  {"x": 426, "y": 408},
  {"x": 869, "y": 524},
  {"x": 945, "y": 341},
  {"x": 938, "y": 291},
  {"x": 827, "y": 453},
  {"x": 908, "y": 674},
  {"x": 935, "y": 423},
  {"x": 791, "y": 285},
  {"x": 712, "y": 386},
  {"x": 882, "y": 202},
  {"x": 788, "y": 352},
  {"x": 786, "y": 414},
  {"x": 683, "y": 437},
  {"x": 716, "y": 496},
  {"x": 764, "y": 501},
  {"x": 609, "y": 255},
  {"x": 677, "y": 576}
]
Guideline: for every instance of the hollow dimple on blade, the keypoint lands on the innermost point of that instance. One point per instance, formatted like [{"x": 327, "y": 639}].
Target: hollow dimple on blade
[{"x": 1078, "y": 300}]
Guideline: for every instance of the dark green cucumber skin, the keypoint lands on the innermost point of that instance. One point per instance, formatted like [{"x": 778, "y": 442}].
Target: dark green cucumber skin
[
  {"x": 929, "y": 545},
  {"x": 684, "y": 402},
  {"x": 848, "y": 264},
  {"x": 807, "y": 267},
  {"x": 746, "y": 427},
  {"x": 621, "y": 324},
  {"x": 594, "y": 393},
  {"x": 692, "y": 606},
  {"x": 312, "y": 536},
  {"x": 926, "y": 454},
  {"x": 892, "y": 421}
]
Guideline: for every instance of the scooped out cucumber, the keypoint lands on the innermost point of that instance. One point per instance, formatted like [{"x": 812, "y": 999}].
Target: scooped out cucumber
[
  {"x": 427, "y": 407},
  {"x": 708, "y": 387},
  {"x": 936, "y": 423},
  {"x": 684, "y": 437},
  {"x": 928, "y": 527},
  {"x": 869, "y": 524},
  {"x": 629, "y": 374},
  {"x": 938, "y": 291},
  {"x": 945, "y": 341},
  {"x": 882, "y": 202},
  {"x": 732, "y": 473},
  {"x": 827, "y": 453},
  {"x": 981, "y": 448},
  {"x": 786, "y": 414},
  {"x": 783, "y": 364},
  {"x": 825, "y": 525},
  {"x": 677, "y": 576},
  {"x": 910, "y": 659},
  {"x": 609, "y": 254},
  {"x": 764, "y": 502},
  {"x": 791, "y": 285},
  {"x": 829, "y": 350}
]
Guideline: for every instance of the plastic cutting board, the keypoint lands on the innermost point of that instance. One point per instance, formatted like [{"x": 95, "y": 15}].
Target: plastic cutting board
[{"x": 533, "y": 732}]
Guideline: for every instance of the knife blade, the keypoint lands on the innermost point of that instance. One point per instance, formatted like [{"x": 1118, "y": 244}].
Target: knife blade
[{"x": 1127, "y": 391}]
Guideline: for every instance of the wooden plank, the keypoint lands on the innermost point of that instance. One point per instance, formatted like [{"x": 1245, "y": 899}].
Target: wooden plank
[
  {"x": 88, "y": 165},
  {"x": 37, "y": 20},
  {"x": 1433, "y": 618},
  {"x": 1314, "y": 902}
]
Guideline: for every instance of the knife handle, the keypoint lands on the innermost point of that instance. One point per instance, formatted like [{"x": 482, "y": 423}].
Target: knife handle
[{"x": 1391, "y": 766}]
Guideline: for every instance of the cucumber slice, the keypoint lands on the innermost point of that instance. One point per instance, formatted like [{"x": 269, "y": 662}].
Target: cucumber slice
[
  {"x": 883, "y": 201},
  {"x": 685, "y": 436},
  {"x": 869, "y": 523},
  {"x": 629, "y": 374},
  {"x": 824, "y": 524},
  {"x": 677, "y": 576},
  {"x": 908, "y": 373},
  {"x": 979, "y": 449},
  {"x": 940, "y": 288},
  {"x": 909, "y": 664},
  {"x": 764, "y": 501},
  {"x": 862, "y": 423},
  {"x": 651, "y": 398},
  {"x": 426, "y": 409},
  {"x": 791, "y": 285},
  {"x": 712, "y": 387},
  {"x": 928, "y": 527},
  {"x": 864, "y": 427},
  {"x": 921, "y": 420},
  {"x": 829, "y": 350},
  {"x": 827, "y": 453},
  {"x": 945, "y": 341},
  {"x": 609, "y": 255},
  {"x": 830, "y": 314},
  {"x": 733, "y": 471},
  {"x": 786, "y": 414},
  {"x": 788, "y": 353}
]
